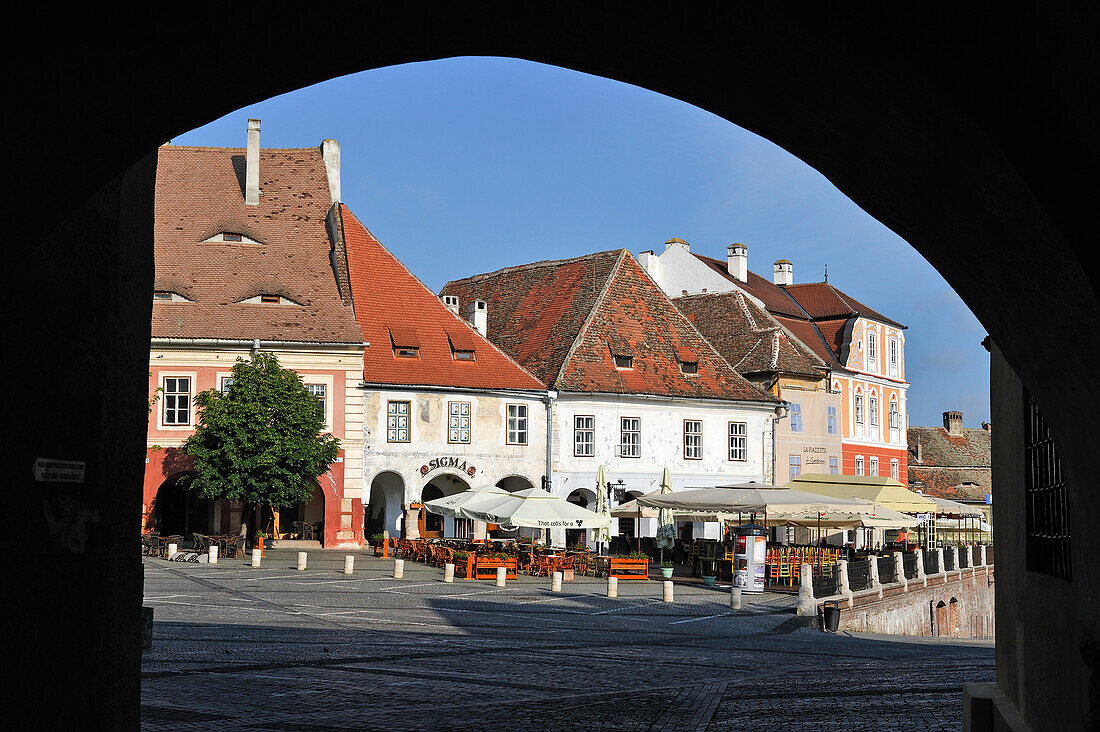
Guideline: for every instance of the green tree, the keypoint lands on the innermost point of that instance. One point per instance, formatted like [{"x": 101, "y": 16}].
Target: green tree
[{"x": 260, "y": 441}]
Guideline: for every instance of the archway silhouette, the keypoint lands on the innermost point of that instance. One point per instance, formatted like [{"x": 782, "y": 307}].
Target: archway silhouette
[{"x": 963, "y": 134}]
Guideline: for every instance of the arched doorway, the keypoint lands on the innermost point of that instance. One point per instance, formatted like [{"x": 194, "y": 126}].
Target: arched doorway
[
  {"x": 179, "y": 510},
  {"x": 585, "y": 499},
  {"x": 383, "y": 510},
  {"x": 434, "y": 526},
  {"x": 943, "y": 626},
  {"x": 513, "y": 484}
]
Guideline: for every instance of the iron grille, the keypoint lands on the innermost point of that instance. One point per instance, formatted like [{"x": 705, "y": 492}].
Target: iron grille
[
  {"x": 931, "y": 565},
  {"x": 886, "y": 570},
  {"x": 859, "y": 575},
  {"x": 1046, "y": 498},
  {"x": 909, "y": 565},
  {"x": 949, "y": 561},
  {"x": 824, "y": 586}
]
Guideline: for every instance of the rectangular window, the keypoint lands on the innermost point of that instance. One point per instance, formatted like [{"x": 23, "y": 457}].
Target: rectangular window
[
  {"x": 406, "y": 352},
  {"x": 832, "y": 420},
  {"x": 895, "y": 469},
  {"x": 893, "y": 356},
  {"x": 227, "y": 381},
  {"x": 859, "y": 465},
  {"x": 319, "y": 393},
  {"x": 584, "y": 435},
  {"x": 795, "y": 466},
  {"x": 397, "y": 421},
  {"x": 1046, "y": 499},
  {"x": 624, "y": 362},
  {"x": 796, "y": 417},
  {"x": 689, "y": 367},
  {"x": 177, "y": 400},
  {"x": 859, "y": 410},
  {"x": 630, "y": 443},
  {"x": 872, "y": 351},
  {"x": 463, "y": 355},
  {"x": 834, "y": 466},
  {"x": 874, "y": 465},
  {"x": 517, "y": 424},
  {"x": 739, "y": 441},
  {"x": 459, "y": 419},
  {"x": 895, "y": 419},
  {"x": 874, "y": 411},
  {"x": 693, "y": 439}
]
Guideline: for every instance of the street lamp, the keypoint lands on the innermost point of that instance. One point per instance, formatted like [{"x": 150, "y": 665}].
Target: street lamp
[{"x": 615, "y": 490}]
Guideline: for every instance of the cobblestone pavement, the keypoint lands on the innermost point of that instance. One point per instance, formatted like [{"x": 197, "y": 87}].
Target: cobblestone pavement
[{"x": 273, "y": 648}]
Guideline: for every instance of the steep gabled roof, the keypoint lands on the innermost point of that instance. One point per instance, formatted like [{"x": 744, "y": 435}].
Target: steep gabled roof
[
  {"x": 199, "y": 196},
  {"x": 951, "y": 466},
  {"x": 823, "y": 301},
  {"x": 747, "y": 336},
  {"x": 568, "y": 319},
  {"x": 395, "y": 310}
]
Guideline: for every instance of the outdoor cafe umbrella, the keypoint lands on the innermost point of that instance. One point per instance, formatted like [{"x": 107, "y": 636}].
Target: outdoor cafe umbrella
[
  {"x": 602, "y": 535},
  {"x": 449, "y": 505},
  {"x": 666, "y": 530},
  {"x": 534, "y": 508}
]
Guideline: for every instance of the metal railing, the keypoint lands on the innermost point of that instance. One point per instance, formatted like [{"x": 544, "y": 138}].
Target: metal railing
[
  {"x": 964, "y": 557},
  {"x": 859, "y": 575},
  {"x": 887, "y": 570},
  {"x": 909, "y": 564},
  {"x": 948, "y": 561},
  {"x": 931, "y": 563}
]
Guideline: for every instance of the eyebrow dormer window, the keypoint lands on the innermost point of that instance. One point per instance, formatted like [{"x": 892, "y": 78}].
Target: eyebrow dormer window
[
  {"x": 230, "y": 237},
  {"x": 168, "y": 296},
  {"x": 268, "y": 298}
]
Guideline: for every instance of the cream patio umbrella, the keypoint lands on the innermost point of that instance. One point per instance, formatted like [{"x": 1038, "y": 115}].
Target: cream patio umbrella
[
  {"x": 449, "y": 505},
  {"x": 666, "y": 529},
  {"x": 534, "y": 508},
  {"x": 602, "y": 535}
]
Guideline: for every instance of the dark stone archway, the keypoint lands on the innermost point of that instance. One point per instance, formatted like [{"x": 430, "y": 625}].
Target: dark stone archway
[{"x": 971, "y": 135}]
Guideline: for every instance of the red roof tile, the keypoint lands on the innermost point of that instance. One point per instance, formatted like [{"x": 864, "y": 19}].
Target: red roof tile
[
  {"x": 822, "y": 300},
  {"x": 199, "y": 195},
  {"x": 390, "y": 302},
  {"x": 569, "y": 317}
]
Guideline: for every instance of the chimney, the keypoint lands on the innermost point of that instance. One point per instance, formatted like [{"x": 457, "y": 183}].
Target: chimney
[
  {"x": 451, "y": 301},
  {"x": 920, "y": 450},
  {"x": 479, "y": 316},
  {"x": 737, "y": 261},
  {"x": 674, "y": 242},
  {"x": 330, "y": 153},
  {"x": 651, "y": 263},
  {"x": 953, "y": 422},
  {"x": 784, "y": 273},
  {"x": 252, "y": 165},
  {"x": 987, "y": 426}
]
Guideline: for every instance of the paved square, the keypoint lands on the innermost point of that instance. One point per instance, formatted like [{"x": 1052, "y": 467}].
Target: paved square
[{"x": 273, "y": 648}]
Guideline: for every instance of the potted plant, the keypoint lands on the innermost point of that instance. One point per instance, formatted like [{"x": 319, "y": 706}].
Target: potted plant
[{"x": 666, "y": 570}]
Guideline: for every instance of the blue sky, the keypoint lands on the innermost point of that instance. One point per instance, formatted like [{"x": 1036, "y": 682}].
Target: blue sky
[{"x": 467, "y": 165}]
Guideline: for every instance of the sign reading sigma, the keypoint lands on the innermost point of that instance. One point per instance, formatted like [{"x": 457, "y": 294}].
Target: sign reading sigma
[{"x": 448, "y": 462}]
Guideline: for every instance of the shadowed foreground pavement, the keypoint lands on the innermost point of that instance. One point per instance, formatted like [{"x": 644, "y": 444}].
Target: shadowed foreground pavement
[{"x": 277, "y": 649}]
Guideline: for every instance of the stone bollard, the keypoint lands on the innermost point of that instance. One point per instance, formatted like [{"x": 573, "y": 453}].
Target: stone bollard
[
  {"x": 398, "y": 568},
  {"x": 899, "y": 570},
  {"x": 173, "y": 550},
  {"x": 807, "y": 606},
  {"x": 448, "y": 572},
  {"x": 256, "y": 557},
  {"x": 981, "y": 554},
  {"x": 502, "y": 574},
  {"x": 213, "y": 553},
  {"x": 555, "y": 582},
  {"x": 939, "y": 560},
  {"x": 921, "y": 578},
  {"x": 668, "y": 591},
  {"x": 612, "y": 586},
  {"x": 349, "y": 564},
  {"x": 735, "y": 597},
  {"x": 955, "y": 558},
  {"x": 842, "y": 585},
  {"x": 301, "y": 561}
]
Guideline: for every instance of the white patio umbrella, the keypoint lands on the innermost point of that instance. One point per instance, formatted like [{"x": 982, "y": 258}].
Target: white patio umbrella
[
  {"x": 666, "y": 529},
  {"x": 602, "y": 535},
  {"x": 534, "y": 508},
  {"x": 449, "y": 505}
]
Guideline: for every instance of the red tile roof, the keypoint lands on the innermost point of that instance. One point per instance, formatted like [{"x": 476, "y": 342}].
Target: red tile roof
[
  {"x": 958, "y": 467},
  {"x": 199, "y": 195},
  {"x": 747, "y": 336},
  {"x": 822, "y": 300},
  {"x": 566, "y": 319},
  {"x": 395, "y": 309}
]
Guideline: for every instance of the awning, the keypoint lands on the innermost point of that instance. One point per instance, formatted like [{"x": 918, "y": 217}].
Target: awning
[
  {"x": 533, "y": 508},
  {"x": 879, "y": 490}
]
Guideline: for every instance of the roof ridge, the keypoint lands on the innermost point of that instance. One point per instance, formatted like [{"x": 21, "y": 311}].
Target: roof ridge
[
  {"x": 212, "y": 148},
  {"x": 532, "y": 265},
  {"x": 344, "y": 208},
  {"x": 579, "y": 337}
]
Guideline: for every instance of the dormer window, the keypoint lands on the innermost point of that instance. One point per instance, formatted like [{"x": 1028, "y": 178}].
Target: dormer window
[
  {"x": 406, "y": 342},
  {"x": 689, "y": 367},
  {"x": 621, "y": 354},
  {"x": 162, "y": 295},
  {"x": 230, "y": 237},
  {"x": 463, "y": 345},
  {"x": 168, "y": 296},
  {"x": 269, "y": 298}
]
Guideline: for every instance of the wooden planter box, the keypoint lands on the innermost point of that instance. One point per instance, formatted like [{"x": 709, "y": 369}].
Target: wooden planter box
[
  {"x": 487, "y": 568},
  {"x": 629, "y": 568},
  {"x": 464, "y": 568}
]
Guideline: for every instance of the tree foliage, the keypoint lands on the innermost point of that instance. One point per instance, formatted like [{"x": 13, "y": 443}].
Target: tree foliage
[{"x": 260, "y": 441}]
